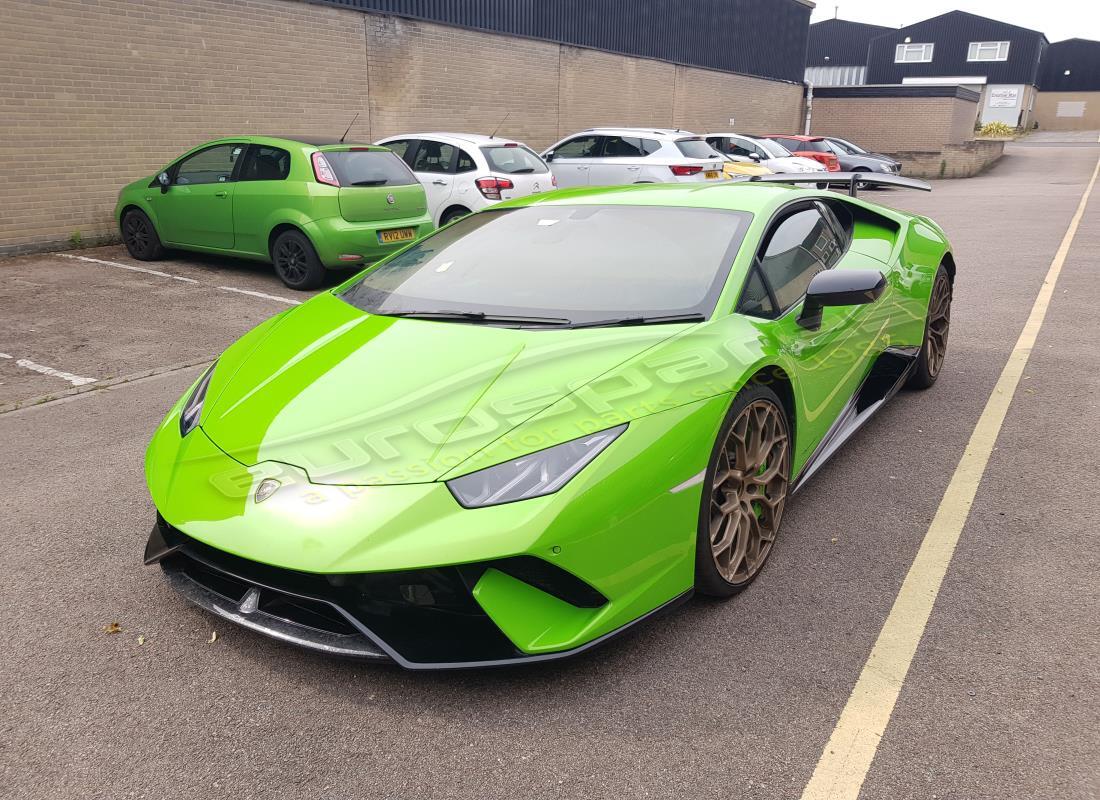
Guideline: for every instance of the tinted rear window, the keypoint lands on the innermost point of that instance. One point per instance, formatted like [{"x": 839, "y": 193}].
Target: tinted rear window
[
  {"x": 695, "y": 148},
  {"x": 582, "y": 263},
  {"x": 513, "y": 160},
  {"x": 369, "y": 168}
]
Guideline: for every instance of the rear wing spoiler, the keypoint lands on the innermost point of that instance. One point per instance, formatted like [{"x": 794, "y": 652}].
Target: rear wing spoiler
[{"x": 852, "y": 180}]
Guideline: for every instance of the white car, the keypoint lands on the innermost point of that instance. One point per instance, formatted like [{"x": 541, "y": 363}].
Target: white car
[
  {"x": 771, "y": 154},
  {"x": 465, "y": 172},
  {"x": 613, "y": 156}
]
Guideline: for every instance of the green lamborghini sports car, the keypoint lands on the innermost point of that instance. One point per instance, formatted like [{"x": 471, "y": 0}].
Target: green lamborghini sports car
[{"x": 545, "y": 422}]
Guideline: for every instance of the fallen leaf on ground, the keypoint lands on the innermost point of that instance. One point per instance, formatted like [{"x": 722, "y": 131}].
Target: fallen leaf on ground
[
  {"x": 114, "y": 627},
  {"x": 213, "y": 637},
  {"x": 141, "y": 640}
]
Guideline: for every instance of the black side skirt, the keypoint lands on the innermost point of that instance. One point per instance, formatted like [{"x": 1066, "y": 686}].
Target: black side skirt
[{"x": 887, "y": 375}]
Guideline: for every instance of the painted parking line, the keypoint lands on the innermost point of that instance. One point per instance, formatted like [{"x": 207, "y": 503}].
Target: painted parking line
[
  {"x": 261, "y": 295},
  {"x": 26, "y": 363},
  {"x": 851, "y": 748},
  {"x": 130, "y": 267},
  {"x": 158, "y": 273}
]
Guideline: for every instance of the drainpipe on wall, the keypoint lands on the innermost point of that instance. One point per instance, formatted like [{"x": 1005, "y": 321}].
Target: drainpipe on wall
[{"x": 809, "y": 107}]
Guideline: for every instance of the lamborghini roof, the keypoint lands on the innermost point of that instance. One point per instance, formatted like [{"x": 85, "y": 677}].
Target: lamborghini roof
[{"x": 731, "y": 196}]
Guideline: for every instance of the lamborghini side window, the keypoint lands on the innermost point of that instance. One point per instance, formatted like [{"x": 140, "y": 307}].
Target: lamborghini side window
[
  {"x": 799, "y": 247},
  {"x": 755, "y": 300}
]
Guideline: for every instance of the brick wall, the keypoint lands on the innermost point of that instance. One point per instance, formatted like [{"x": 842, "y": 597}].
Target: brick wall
[
  {"x": 1046, "y": 111},
  {"x": 893, "y": 124},
  {"x": 952, "y": 160},
  {"x": 95, "y": 95}
]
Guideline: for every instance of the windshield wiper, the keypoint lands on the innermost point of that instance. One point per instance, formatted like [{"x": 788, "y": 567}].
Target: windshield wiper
[
  {"x": 381, "y": 182},
  {"x": 669, "y": 319},
  {"x": 478, "y": 317}
]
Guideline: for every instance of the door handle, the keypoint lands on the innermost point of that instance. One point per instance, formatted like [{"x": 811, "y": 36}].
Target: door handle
[
  {"x": 582, "y": 168},
  {"x": 440, "y": 183},
  {"x": 633, "y": 169},
  {"x": 221, "y": 194}
]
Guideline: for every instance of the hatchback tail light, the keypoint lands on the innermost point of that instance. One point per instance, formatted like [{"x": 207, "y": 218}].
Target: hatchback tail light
[
  {"x": 685, "y": 169},
  {"x": 492, "y": 187},
  {"x": 323, "y": 171}
]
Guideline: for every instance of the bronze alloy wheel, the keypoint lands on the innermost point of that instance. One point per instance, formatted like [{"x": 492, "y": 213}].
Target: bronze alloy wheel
[
  {"x": 749, "y": 490},
  {"x": 939, "y": 324}
]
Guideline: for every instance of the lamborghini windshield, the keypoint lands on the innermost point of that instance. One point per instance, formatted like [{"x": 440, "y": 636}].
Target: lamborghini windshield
[{"x": 561, "y": 265}]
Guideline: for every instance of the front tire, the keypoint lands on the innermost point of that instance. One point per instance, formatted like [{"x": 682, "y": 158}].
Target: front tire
[
  {"x": 140, "y": 237},
  {"x": 744, "y": 493},
  {"x": 936, "y": 327},
  {"x": 296, "y": 262}
]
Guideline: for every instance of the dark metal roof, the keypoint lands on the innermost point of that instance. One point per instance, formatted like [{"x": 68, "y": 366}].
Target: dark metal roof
[
  {"x": 908, "y": 90},
  {"x": 766, "y": 38},
  {"x": 1081, "y": 57},
  {"x": 840, "y": 43},
  {"x": 952, "y": 34}
]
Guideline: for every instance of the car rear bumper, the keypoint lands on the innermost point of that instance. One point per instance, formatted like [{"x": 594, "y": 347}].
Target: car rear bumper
[
  {"x": 335, "y": 239},
  {"x": 419, "y": 619}
]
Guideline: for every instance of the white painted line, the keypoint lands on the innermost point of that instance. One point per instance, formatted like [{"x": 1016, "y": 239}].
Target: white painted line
[
  {"x": 261, "y": 295},
  {"x": 4, "y": 355},
  {"x": 75, "y": 380},
  {"x": 851, "y": 748},
  {"x": 129, "y": 267}
]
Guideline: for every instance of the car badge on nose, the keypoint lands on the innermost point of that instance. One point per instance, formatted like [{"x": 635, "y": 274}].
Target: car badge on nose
[
  {"x": 266, "y": 488},
  {"x": 390, "y": 199}
]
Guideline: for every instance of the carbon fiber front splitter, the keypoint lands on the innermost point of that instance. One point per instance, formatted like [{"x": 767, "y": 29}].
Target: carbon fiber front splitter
[{"x": 419, "y": 619}]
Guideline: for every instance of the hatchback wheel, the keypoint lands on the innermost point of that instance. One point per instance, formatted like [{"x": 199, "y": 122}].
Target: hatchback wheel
[
  {"x": 140, "y": 237},
  {"x": 296, "y": 262},
  {"x": 744, "y": 493},
  {"x": 451, "y": 214}
]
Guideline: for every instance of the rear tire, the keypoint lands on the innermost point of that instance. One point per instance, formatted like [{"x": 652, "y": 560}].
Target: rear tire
[
  {"x": 937, "y": 325},
  {"x": 140, "y": 237},
  {"x": 296, "y": 262},
  {"x": 451, "y": 214},
  {"x": 744, "y": 493}
]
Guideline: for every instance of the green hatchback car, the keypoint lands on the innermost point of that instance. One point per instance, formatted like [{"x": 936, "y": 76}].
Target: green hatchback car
[{"x": 305, "y": 205}]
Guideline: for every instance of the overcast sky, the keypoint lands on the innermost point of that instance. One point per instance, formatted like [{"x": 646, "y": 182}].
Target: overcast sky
[{"x": 1058, "y": 19}]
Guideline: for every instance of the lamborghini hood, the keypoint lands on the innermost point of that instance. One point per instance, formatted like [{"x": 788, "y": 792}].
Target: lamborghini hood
[{"x": 359, "y": 399}]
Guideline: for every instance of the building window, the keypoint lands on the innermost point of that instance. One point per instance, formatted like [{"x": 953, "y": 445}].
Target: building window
[
  {"x": 988, "y": 51},
  {"x": 913, "y": 53}
]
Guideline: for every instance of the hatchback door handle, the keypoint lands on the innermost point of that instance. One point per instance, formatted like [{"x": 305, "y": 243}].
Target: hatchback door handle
[
  {"x": 633, "y": 169},
  {"x": 440, "y": 183},
  {"x": 221, "y": 194}
]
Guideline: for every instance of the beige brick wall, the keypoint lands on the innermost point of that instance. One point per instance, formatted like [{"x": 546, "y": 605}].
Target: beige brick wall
[
  {"x": 598, "y": 88},
  {"x": 95, "y": 95},
  {"x": 892, "y": 124},
  {"x": 426, "y": 77},
  {"x": 707, "y": 100},
  {"x": 1046, "y": 111}
]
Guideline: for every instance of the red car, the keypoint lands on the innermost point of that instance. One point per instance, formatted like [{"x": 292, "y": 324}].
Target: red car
[{"x": 813, "y": 147}]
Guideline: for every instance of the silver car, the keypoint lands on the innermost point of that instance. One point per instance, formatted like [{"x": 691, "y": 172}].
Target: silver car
[{"x": 614, "y": 156}]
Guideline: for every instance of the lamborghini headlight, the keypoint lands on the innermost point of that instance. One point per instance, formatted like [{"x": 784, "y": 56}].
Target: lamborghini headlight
[
  {"x": 192, "y": 409},
  {"x": 534, "y": 475}
]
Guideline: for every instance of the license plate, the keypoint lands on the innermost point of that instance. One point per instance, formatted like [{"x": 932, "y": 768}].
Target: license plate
[
  {"x": 711, "y": 175},
  {"x": 397, "y": 235}
]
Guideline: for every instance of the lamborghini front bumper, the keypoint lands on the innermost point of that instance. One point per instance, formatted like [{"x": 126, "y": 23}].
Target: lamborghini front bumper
[{"x": 420, "y": 619}]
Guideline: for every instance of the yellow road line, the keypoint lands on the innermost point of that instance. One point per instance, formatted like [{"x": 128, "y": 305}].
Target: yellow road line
[{"x": 843, "y": 765}]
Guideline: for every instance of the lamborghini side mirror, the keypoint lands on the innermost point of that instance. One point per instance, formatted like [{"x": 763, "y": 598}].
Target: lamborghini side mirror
[{"x": 839, "y": 287}]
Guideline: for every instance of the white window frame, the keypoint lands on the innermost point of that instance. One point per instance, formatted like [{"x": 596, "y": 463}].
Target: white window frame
[
  {"x": 975, "y": 52},
  {"x": 923, "y": 51}
]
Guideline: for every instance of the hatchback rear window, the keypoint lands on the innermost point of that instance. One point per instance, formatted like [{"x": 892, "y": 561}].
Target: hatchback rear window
[
  {"x": 695, "y": 148},
  {"x": 369, "y": 168},
  {"x": 513, "y": 160}
]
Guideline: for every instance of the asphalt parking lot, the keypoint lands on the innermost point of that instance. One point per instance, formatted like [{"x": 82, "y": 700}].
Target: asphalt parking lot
[{"x": 735, "y": 699}]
